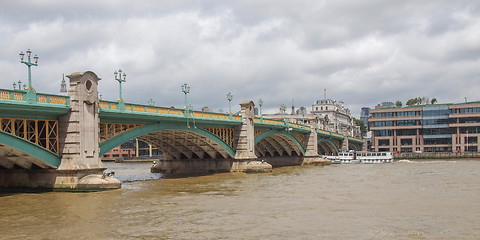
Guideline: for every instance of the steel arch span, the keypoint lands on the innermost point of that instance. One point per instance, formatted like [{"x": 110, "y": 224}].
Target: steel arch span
[
  {"x": 326, "y": 146},
  {"x": 176, "y": 140},
  {"x": 277, "y": 142},
  {"x": 18, "y": 151}
]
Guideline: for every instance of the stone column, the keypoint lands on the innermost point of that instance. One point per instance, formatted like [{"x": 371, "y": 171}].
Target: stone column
[
  {"x": 312, "y": 142},
  {"x": 245, "y": 158},
  {"x": 245, "y": 134},
  {"x": 81, "y": 167},
  {"x": 311, "y": 154},
  {"x": 345, "y": 146}
]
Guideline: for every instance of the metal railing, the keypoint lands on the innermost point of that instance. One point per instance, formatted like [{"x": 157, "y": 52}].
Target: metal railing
[
  {"x": 166, "y": 110},
  {"x": 20, "y": 95}
]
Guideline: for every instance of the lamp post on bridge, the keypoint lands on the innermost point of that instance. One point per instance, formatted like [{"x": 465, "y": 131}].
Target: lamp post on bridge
[
  {"x": 151, "y": 102},
  {"x": 260, "y": 103},
  {"x": 186, "y": 90},
  {"x": 121, "y": 102},
  {"x": 303, "y": 116},
  {"x": 229, "y": 98},
  {"x": 283, "y": 108},
  {"x": 31, "y": 94}
]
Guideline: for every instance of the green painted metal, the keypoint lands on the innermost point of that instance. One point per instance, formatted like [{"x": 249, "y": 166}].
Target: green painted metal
[
  {"x": 328, "y": 141},
  {"x": 115, "y": 116},
  {"x": 32, "y": 149},
  {"x": 325, "y": 134},
  {"x": 280, "y": 132},
  {"x": 117, "y": 140},
  {"x": 31, "y": 94},
  {"x": 33, "y": 110}
]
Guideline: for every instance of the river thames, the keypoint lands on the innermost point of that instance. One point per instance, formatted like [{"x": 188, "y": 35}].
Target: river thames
[{"x": 402, "y": 200}]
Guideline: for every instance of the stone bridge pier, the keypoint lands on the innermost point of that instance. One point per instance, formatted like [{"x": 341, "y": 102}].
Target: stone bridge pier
[{"x": 80, "y": 168}]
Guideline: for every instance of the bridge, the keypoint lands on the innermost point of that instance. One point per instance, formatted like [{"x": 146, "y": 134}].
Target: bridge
[{"x": 55, "y": 142}]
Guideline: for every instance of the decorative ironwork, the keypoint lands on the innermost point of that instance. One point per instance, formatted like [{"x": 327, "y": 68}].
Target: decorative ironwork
[
  {"x": 300, "y": 138},
  {"x": 226, "y": 134},
  {"x": 110, "y": 130},
  {"x": 258, "y": 132},
  {"x": 41, "y": 132}
]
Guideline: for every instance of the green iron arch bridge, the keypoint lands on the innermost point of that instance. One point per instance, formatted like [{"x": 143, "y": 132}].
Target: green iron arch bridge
[{"x": 55, "y": 133}]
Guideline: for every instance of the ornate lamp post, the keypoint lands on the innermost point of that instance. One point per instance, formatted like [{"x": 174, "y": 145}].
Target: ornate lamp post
[
  {"x": 260, "y": 103},
  {"x": 14, "y": 85},
  {"x": 229, "y": 98},
  {"x": 186, "y": 90},
  {"x": 151, "y": 102},
  {"x": 31, "y": 94},
  {"x": 283, "y": 108},
  {"x": 303, "y": 117},
  {"x": 121, "y": 102}
]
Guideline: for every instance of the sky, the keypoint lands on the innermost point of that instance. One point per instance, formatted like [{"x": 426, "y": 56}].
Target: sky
[{"x": 362, "y": 52}]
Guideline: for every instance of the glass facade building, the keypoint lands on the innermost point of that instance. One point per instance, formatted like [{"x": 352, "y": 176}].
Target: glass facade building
[{"x": 429, "y": 128}]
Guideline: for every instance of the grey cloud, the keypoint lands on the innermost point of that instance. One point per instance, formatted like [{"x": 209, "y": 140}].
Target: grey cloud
[{"x": 362, "y": 52}]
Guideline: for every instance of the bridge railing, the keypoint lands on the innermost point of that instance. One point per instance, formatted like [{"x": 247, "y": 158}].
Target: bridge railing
[
  {"x": 329, "y": 133},
  {"x": 357, "y": 140},
  {"x": 20, "y": 95},
  {"x": 279, "y": 122},
  {"x": 166, "y": 110}
]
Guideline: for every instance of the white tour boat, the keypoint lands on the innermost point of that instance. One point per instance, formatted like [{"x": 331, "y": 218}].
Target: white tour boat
[{"x": 361, "y": 157}]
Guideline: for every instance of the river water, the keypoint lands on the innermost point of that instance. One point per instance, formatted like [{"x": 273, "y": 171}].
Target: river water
[{"x": 402, "y": 200}]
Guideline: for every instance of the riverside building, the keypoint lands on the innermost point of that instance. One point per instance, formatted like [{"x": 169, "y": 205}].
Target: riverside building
[
  {"x": 428, "y": 128},
  {"x": 329, "y": 114}
]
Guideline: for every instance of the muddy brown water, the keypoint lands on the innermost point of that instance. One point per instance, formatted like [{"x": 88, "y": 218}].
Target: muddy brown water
[{"x": 403, "y": 200}]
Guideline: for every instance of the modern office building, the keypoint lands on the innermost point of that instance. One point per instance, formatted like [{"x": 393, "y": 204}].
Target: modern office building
[
  {"x": 427, "y": 128},
  {"x": 364, "y": 114}
]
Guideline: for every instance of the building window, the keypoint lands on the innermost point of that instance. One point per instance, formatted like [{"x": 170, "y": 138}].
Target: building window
[
  {"x": 383, "y": 142},
  {"x": 406, "y": 114},
  {"x": 386, "y": 114},
  {"x": 383, "y": 133},
  {"x": 471, "y": 139},
  {"x": 406, "y": 132},
  {"x": 406, "y": 123},
  {"x": 406, "y": 142},
  {"x": 406, "y": 150},
  {"x": 469, "y": 110},
  {"x": 437, "y": 141},
  {"x": 383, "y": 124}
]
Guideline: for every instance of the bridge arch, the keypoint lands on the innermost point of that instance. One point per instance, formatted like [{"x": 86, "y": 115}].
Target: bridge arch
[
  {"x": 275, "y": 143},
  {"x": 327, "y": 146},
  {"x": 18, "y": 151},
  {"x": 353, "y": 147},
  {"x": 177, "y": 140}
]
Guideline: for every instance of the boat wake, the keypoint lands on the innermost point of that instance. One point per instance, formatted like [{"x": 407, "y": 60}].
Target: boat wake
[{"x": 406, "y": 161}]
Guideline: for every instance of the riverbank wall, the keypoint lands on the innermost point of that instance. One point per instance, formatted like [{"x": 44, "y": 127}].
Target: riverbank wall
[{"x": 437, "y": 155}]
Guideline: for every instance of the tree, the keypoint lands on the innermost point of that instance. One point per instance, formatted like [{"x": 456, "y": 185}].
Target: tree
[
  {"x": 363, "y": 129},
  {"x": 434, "y": 100},
  {"x": 398, "y": 103}
]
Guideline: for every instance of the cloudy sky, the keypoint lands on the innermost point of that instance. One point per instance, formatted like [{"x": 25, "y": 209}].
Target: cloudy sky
[{"x": 363, "y": 52}]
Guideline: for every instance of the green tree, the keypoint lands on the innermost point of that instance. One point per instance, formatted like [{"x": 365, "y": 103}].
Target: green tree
[
  {"x": 434, "y": 100},
  {"x": 398, "y": 103},
  {"x": 363, "y": 129}
]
